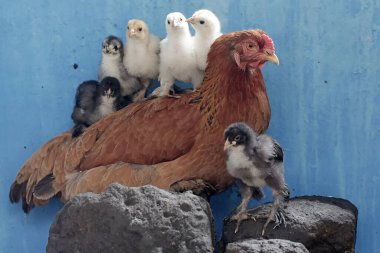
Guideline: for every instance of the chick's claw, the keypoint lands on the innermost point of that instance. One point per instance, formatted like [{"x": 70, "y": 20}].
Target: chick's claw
[
  {"x": 240, "y": 217},
  {"x": 278, "y": 217}
]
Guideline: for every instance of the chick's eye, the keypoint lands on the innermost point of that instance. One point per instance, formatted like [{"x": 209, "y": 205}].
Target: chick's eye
[
  {"x": 237, "y": 138},
  {"x": 128, "y": 27},
  {"x": 115, "y": 48},
  {"x": 168, "y": 22},
  {"x": 201, "y": 22},
  {"x": 180, "y": 19},
  {"x": 140, "y": 29}
]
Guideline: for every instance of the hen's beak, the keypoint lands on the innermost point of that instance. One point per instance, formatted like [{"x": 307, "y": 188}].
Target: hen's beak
[
  {"x": 190, "y": 20},
  {"x": 228, "y": 144},
  {"x": 272, "y": 57}
]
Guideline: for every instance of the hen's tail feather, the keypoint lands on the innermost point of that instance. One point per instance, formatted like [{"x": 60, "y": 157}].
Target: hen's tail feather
[
  {"x": 25, "y": 206},
  {"x": 39, "y": 166},
  {"x": 16, "y": 191},
  {"x": 99, "y": 178},
  {"x": 44, "y": 188}
]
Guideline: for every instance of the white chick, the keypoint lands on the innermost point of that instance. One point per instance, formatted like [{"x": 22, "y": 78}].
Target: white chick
[
  {"x": 177, "y": 59},
  {"x": 141, "y": 54},
  {"x": 207, "y": 30}
]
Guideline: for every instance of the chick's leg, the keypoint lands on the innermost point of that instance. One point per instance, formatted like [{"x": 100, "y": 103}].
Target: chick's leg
[
  {"x": 165, "y": 89},
  {"x": 141, "y": 94},
  {"x": 241, "y": 210},
  {"x": 276, "y": 213}
]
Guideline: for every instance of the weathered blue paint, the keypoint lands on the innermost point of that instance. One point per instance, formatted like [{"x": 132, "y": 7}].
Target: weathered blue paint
[{"x": 325, "y": 94}]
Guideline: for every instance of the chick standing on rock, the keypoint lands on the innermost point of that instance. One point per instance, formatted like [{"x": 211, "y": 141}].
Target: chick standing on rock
[
  {"x": 112, "y": 65},
  {"x": 256, "y": 160},
  {"x": 94, "y": 101},
  {"x": 177, "y": 58},
  {"x": 207, "y": 29},
  {"x": 141, "y": 54}
]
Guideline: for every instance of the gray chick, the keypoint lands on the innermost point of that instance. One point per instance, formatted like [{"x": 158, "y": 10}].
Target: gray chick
[
  {"x": 112, "y": 65},
  {"x": 256, "y": 161},
  {"x": 94, "y": 101}
]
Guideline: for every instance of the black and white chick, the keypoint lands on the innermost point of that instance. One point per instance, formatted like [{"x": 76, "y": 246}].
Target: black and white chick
[
  {"x": 256, "y": 161},
  {"x": 141, "y": 54},
  {"x": 112, "y": 65},
  {"x": 207, "y": 29},
  {"x": 94, "y": 101}
]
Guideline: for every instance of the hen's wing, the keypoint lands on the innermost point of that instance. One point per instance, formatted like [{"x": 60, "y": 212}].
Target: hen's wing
[{"x": 148, "y": 132}]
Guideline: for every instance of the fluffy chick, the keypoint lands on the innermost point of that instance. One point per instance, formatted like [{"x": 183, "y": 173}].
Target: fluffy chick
[
  {"x": 141, "y": 54},
  {"x": 177, "y": 59},
  {"x": 207, "y": 30},
  {"x": 94, "y": 101},
  {"x": 112, "y": 65},
  {"x": 256, "y": 160}
]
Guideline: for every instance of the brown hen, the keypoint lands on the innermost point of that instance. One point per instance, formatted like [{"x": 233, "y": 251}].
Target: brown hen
[{"x": 167, "y": 142}]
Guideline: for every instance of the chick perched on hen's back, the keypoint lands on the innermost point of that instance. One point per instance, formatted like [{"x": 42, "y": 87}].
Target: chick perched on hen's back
[
  {"x": 177, "y": 58},
  {"x": 94, "y": 100},
  {"x": 207, "y": 29},
  {"x": 141, "y": 53},
  {"x": 112, "y": 65}
]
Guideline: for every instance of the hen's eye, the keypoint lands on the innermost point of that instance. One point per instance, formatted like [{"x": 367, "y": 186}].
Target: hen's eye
[
  {"x": 237, "y": 138},
  {"x": 168, "y": 22},
  {"x": 250, "y": 46},
  {"x": 201, "y": 22},
  {"x": 140, "y": 29},
  {"x": 115, "y": 48}
]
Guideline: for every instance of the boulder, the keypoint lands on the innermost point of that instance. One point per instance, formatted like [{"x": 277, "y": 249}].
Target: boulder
[
  {"x": 133, "y": 219},
  {"x": 266, "y": 246},
  {"x": 322, "y": 224}
]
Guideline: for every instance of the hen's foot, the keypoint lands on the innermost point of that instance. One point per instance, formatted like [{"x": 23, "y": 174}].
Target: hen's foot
[{"x": 197, "y": 186}]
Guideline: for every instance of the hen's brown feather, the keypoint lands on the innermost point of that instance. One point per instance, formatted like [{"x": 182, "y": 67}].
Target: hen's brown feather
[{"x": 172, "y": 139}]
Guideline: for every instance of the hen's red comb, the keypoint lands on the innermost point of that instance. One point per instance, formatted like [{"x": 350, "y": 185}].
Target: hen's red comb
[{"x": 268, "y": 41}]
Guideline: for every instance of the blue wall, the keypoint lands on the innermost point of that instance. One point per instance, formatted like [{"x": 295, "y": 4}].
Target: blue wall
[{"x": 324, "y": 95}]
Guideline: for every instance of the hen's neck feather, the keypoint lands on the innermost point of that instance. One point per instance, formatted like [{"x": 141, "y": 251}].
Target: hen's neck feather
[{"x": 230, "y": 94}]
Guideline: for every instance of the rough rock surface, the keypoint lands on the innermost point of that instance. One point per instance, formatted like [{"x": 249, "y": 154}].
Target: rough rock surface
[
  {"x": 266, "y": 246},
  {"x": 322, "y": 224},
  {"x": 133, "y": 219}
]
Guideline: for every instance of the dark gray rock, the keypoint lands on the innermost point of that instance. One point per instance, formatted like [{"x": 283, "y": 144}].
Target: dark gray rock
[
  {"x": 266, "y": 246},
  {"x": 133, "y": 219},
  {"x": 322, "y": 224}
]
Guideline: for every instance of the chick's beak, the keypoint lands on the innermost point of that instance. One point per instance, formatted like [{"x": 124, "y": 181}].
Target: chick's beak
[
  {"x": 132, "y": 32},
  {"x": 272, "y": 57},
  {"x": 190, "y": 20},
  {"x": 229, "y": 144},
  {"x": 176, "y": 23}
]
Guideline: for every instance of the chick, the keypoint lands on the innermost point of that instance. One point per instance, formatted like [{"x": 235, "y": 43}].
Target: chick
[
  {"x": 177, "y": 58},
  {"x": 112, "y": 65},
  {"x": 207, "y": 30},
  {"x": 256, "y": 160},
  {"x": 141, "y": 54},
  {"x": 94, "y": 101}
]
